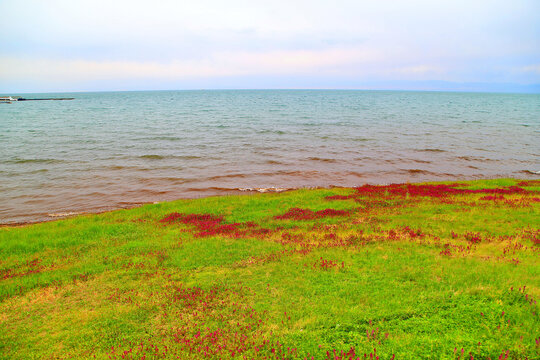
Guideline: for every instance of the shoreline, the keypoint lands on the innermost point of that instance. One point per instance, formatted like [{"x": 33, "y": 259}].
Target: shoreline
[
  {"x": 71, "y": 214},
  {"x": 68, "y": 214}
]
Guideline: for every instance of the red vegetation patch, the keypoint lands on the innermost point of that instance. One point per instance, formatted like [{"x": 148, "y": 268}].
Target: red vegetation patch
[
  {"x": 195, "y": 219},
  {"x": 124, "y": 297},
  {"x": 404, "y": 232},
  {"x": 529, "y": 183},
  {"x": 340, "y": 197},
  {"x": 433, "y": 191},
  {"x": 533, "y": 235},
  {"x": 212, "y": 225},
  {"x": 213, "y": 323},
  {"x": 28, "y": 268},
  {"x": 446, "y": 252},
  {"x": 306, "y": 214},
  {"x": 451, "y": 249},
  {"x": 512, "y": 248},
  {"x": 408, "y": 189},
  {"x": 353, "y": 355},
  {"x": 413, "y": 233},
  {"x": 510, "y": 190},
  {"x": 492, "y": 198},
  {"x": 327, "y": 264},
  {"x": 304, "y": 244},
  {"x": 473, "y": 237}
]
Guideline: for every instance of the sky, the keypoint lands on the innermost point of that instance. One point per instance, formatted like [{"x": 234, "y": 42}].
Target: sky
[{"x": 61, "y": 45}]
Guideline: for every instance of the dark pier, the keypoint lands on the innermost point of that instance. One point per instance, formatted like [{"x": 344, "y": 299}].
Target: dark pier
[
  {"x": 24, "y": 99},
  {"x": 11, "y": 99}
]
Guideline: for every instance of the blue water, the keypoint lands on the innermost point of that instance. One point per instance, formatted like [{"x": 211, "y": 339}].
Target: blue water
[{"x": 117, "y": 149}]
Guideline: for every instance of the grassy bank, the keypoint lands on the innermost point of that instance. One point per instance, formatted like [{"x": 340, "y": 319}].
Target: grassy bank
[{"x": 442, "y": 271}]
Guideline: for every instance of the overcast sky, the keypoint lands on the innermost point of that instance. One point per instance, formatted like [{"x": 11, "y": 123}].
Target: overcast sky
[{"x": 58, "y": 45}]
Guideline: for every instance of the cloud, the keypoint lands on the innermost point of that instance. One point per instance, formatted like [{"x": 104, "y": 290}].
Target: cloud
[
  {"x": 421, "y": 69},
  {"x": 72, "y": 42},
  {"x": 534, "y": 69},
  {"x": 220, "y": 64}
]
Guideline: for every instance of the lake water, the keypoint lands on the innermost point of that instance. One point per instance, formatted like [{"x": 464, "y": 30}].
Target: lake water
[{"x": 117, "y": 149}]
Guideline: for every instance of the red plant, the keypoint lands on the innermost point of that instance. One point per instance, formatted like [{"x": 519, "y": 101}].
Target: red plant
[
  {"x": 446, "y": 251},
  {"x": 413, "y": 233},
  {"x": 307, "y": 214},
  {"x": 212, "y": 225},
  {"x": 29, "y": 267},
  {"x": 352, "y": 355},
  {"x": 325, "y": 264},
  {"x": 529, "y": 183},
  {"x": 533, "y": 235},
  {"x": 434, "y": 191},
  {"x": 218, "y": 323},
  {"x": 473, "y": 237},
  {"x": 340, "y": 197},
  {"x": 492, "y": 198},
  {"x": 460, "y": 249}
]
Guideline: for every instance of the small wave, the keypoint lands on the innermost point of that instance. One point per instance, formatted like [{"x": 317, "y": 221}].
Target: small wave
[
  {"x": 326, "y": 160},
  {"x": 431, "y": 150},
  {"x": 422, "y": 161},
  {"x": 152, "y": 157},
  {"x": 34, "y": 161},
  {"x": 214, "y": 189},
  {"x": 279, "y": 132},
  {"x": 162, "y": 180},
  {"x": 289, "y": 173},
  {"x": 96, "y": 194},
  {"x": 469, "y": 158},
  {"x": 126, "y": 168},
  {"x": 265, "y": 190},
  {"x": 228, "y": 176},
  {"x": 189, "y": 157},
  {"x": 120, "y": 167},
  {"x": 163, "y": 157},
  {"x": 168, "y": 138},
  {"x": 149, "y": 192},
  {"x": 64, "y": 214},
  {"x": 129, "y": 204},
  {"x": 474, "y": 158},
  {"x": 295, "y": 173},
  {"x": 38, "y": 171},
  {"x": 274, "y": 162},
  {"x": 417, "y": 171},
  {"x": 531, "y": 172}
]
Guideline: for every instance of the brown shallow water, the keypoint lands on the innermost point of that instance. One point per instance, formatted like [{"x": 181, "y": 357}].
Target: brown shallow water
[{"x": 104, "y": 151}]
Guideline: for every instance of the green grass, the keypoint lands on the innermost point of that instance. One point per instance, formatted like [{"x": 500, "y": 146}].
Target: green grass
[{"x": 391, "y": 273}]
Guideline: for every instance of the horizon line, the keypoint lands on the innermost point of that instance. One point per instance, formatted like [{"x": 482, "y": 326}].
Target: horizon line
[{"x": 535, "y": 89}]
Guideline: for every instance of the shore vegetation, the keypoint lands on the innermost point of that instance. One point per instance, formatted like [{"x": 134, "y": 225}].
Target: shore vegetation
[{"x": 403, "y": 271}]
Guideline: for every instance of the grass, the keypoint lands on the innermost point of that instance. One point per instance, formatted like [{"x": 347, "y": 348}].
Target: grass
[{"x": 410, "y": 271}]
